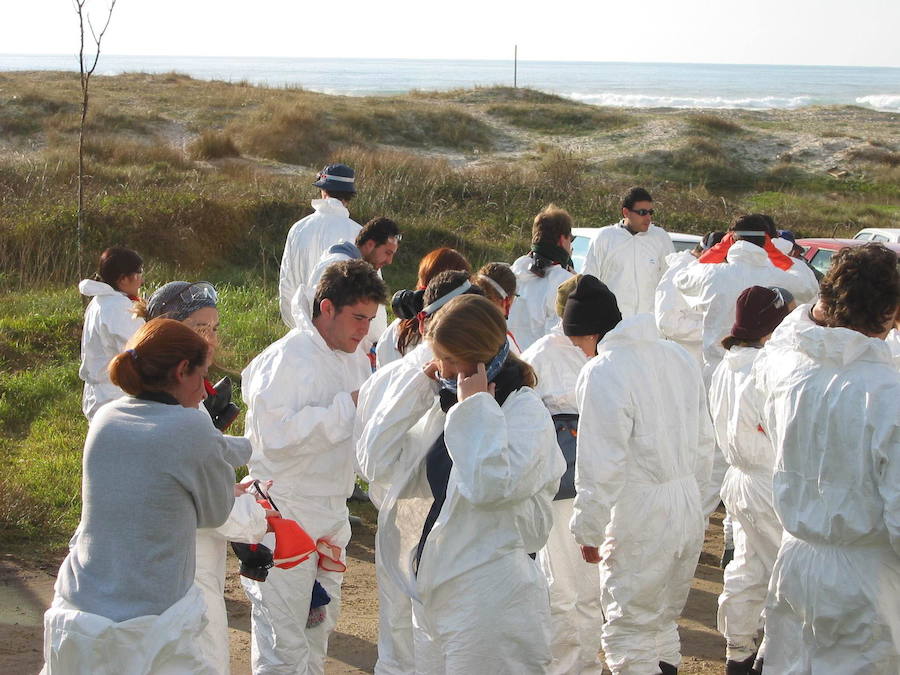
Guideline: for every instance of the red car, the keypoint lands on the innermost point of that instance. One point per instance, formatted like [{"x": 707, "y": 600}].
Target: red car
[{"x": 818, "y": 252}]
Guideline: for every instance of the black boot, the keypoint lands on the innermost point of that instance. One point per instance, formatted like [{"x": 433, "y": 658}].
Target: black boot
[
  {"x": 744, "y": 667},
  {"x": 727, "y": 557},
  {"x": 667, "y": 668}
]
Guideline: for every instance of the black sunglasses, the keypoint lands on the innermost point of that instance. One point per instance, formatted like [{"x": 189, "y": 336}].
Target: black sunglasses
[{"x": 642, "y": 212}]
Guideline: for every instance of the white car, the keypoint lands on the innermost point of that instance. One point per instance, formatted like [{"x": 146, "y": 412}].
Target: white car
[
  {"x": 881, "y": 234},
  {"x": 585, "y": 235}
]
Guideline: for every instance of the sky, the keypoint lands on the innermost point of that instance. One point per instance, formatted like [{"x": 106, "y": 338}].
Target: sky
[{"x": 802, "y": 32}]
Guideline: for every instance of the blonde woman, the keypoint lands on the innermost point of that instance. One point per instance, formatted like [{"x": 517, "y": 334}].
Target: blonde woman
[{"x": 472, "y": 507}]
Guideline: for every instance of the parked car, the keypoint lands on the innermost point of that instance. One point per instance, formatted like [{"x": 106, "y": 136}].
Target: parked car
[
  {"x": 819, "y": 252},
  {"x": 882, "y": 235},
  {"x": 585, "y": 235}
]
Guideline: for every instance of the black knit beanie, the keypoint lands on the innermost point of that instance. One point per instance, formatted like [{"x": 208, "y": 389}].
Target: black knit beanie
[{"x": 591, "y": 309}]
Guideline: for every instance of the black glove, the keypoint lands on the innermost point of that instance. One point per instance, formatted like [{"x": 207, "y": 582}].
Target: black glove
[
  {"x": 219, "y": 405},
  {"x": 256, "y": 560}
]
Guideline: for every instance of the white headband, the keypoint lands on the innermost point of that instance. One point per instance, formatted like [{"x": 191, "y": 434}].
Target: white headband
[
  {"x": 493, "y": 284},
  {"x": 339, "y": 179},
  {"x": 444, "y": 299},
  {"x": 749, "y": 233}
]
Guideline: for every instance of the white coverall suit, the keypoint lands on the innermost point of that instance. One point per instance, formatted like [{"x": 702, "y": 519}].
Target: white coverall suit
[
  {"x": 832, "y": 409},
  {"x": 645, "y": 446},
  {"x": 713, "y": 289},
  {"x": 246, "y": 523},
  {"x": 893, "y": 342},
  {"x": 533, "y": 314},
  {"x": 480, "y": 602},
  {"x": 300, "y": 423},
  {"x": 396, "y": 655},
  {"x": 575, "y": 612},
  {"x": 676, "y": 319},
  {"x": 108, "y": 324},
  {"x": 747, "y": 493},
  {"x": 306, "y": 241},
  {"x": 631, "y": 265}
]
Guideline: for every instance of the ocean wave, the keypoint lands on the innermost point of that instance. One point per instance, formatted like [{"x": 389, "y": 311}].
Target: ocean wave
[
  {"x": 647, "y": 101},
  {"x": 888, "y": 102}
]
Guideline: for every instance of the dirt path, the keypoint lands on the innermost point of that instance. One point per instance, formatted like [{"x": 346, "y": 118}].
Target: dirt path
[{"x": 25, "y": 593}]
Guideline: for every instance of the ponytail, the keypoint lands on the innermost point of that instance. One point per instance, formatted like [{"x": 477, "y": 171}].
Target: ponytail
[{"x": 153, "y": 353}]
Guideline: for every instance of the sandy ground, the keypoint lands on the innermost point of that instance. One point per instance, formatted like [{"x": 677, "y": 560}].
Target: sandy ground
[{"x": 25, "y": 592}]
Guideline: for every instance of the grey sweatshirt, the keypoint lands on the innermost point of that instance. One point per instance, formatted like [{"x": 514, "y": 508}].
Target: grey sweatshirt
[{"x": 153, "y": 474}]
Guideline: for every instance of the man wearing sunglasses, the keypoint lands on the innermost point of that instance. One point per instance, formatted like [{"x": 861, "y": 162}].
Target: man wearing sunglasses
[{"x": 630, "y": 256}]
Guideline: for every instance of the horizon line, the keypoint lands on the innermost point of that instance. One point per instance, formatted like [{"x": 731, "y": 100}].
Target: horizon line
[{"x": 453, "y": 60}]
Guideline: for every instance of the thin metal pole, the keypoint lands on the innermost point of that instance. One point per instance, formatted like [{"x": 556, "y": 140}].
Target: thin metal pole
[{"x": 516, "y": 67}]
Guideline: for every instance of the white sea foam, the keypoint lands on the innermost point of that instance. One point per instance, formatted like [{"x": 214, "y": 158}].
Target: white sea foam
[
  {"x": 647, "y": 101},
  {"x": 889, "y": 102}
]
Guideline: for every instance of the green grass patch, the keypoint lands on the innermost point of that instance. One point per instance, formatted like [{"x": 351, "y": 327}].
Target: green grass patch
[
  {"x": 712, "y": 124},
  {"x": 559, "y": 118}
]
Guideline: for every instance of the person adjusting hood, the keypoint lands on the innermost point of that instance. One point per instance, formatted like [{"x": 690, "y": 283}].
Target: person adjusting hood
[
  {"x": 109, "y": 321},
  {"x": 309, "y": 237},
  {"x": 630, "y": 256},
  {"x": 377, "y": 244},
  {"x": 747, "y": 487},
  {"x": 468, "y": 450},
  {"x": 831, "y": 407},
  {"x": 396, "y": 652},
  {"x": 539, "y": 274},
  {"x": 644, "y": 455},
  {"x": 301, "y": 394},
  {"x": 576, "y": 616}
]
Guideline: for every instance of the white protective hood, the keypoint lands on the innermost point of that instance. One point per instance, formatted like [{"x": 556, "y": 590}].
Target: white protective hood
[
  {"x": 832, "y": 409},
  {"x": 109, "y": 323},
  {"x": 713, "y": 290},
  {"x": 306, "y": 241}
]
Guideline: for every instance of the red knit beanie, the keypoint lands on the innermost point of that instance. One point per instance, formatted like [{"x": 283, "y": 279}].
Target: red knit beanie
[{"x": 759, "y": 311}]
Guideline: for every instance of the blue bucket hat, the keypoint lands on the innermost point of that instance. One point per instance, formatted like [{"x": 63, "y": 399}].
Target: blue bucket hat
[{"x": 337, "y": 177}]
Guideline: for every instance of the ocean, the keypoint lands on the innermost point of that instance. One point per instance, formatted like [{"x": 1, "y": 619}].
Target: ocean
[{"x": 642, "y": 85}]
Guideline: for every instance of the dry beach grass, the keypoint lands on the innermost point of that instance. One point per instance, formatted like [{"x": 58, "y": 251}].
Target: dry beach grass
[{"x": 204, "y": 179}]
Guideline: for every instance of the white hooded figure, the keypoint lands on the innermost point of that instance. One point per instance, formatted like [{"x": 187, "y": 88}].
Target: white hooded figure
[
  {"x": 712, "y": 288},
  {"x": 645, "y": 446},
  {"x": 676, "y": 319},
  {"x": 109, "y": 322},
  {"x": 472, "y": 474},
  {"x": 539, "y": 274},
  {"x": 575, "y": 609},
  {"x": 396, "y": 654},
  {"x": 311, "y": 236},
  {"x": 747, "y": 487},
  {"x": 832, "y": 410},
  {"x": 301, "y": 394}
]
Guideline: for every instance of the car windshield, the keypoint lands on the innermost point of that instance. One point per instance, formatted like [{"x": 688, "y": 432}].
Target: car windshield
[
  {"x": 579, "y": 251},
  {"x": 683, "y": 245},
  {"x": 822, "y": 260}
]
